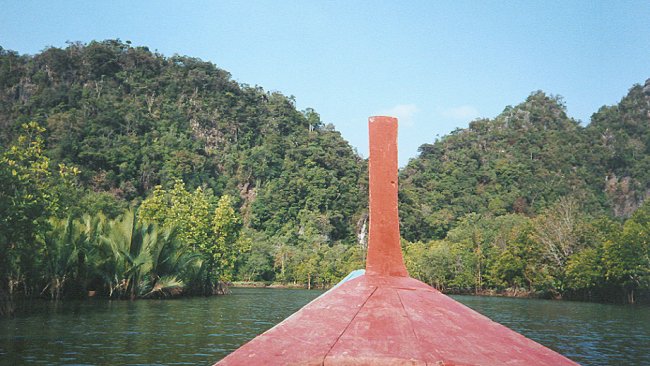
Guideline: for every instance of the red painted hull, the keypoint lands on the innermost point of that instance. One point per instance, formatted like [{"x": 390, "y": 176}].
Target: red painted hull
[
  {"x": 382, "y": 320},
  {"x": 386, "y": 317}
]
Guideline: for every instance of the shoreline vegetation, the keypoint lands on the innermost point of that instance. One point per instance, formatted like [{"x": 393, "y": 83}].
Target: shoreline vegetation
[
  {"x": 128, "y": 174},
  {"x": 509, "y": 292}
]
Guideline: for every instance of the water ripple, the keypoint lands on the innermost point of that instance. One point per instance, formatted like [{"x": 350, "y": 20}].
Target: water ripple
[{"x": 201, "y": 331}]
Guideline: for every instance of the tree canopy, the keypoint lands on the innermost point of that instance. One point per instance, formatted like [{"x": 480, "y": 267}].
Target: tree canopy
[{"x": 134, "y": 174}]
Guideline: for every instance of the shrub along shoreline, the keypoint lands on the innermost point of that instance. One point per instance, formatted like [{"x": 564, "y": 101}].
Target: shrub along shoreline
[{"x": 531, "y": 200}]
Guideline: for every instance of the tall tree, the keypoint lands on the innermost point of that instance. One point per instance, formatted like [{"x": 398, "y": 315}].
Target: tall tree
[{"x": 627, "y": 258}]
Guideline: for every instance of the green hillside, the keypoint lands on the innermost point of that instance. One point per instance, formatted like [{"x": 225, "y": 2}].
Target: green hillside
[
  {"x": 533, "y": 201},
  {"x": 525, "y": 159},
  {"x": 129, "y": 120},
  {"x": 127, "y": 173}
]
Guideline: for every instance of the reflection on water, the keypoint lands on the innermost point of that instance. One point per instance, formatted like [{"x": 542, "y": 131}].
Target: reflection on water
[{"x": 203, "y": 330}]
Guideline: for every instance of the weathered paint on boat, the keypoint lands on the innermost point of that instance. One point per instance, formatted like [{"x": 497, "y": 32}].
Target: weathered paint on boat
[{"x": 385, "y": 317}]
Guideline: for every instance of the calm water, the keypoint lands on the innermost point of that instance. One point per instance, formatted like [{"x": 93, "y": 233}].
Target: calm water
[
  {"x": 203, "y": 330},
  {"x": 591, "y": 334}
]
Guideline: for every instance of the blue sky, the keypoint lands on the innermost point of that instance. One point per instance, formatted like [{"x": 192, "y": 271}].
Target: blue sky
[{"x": 435, "y": 65}]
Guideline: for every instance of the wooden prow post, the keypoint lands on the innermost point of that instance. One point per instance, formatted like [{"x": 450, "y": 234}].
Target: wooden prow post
[{"x": 384, "y": 248}]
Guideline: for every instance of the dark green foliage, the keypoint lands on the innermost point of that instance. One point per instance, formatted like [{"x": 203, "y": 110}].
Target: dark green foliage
[
  {"x": 530, "y": 200},
  {"x": 525, "y": 159},
  {"x": 130, "y": 120},
  {"x": 620, "y": 156},
  {"x": 627, "y": 257},
  {"x": 534, "y": 201}
]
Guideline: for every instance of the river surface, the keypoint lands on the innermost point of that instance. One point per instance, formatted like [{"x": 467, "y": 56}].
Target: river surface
[{"x": 200, "y": 331}]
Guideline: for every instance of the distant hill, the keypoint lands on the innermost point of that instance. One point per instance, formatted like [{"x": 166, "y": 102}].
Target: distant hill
[
  {"x": 523, "y": 201},
  {"x": 526, "y": 158},
  {"x": 132, "y": 119}
]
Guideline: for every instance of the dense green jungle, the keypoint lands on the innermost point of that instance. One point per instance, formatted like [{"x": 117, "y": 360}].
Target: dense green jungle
[{"x": 125, "y": 173}]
